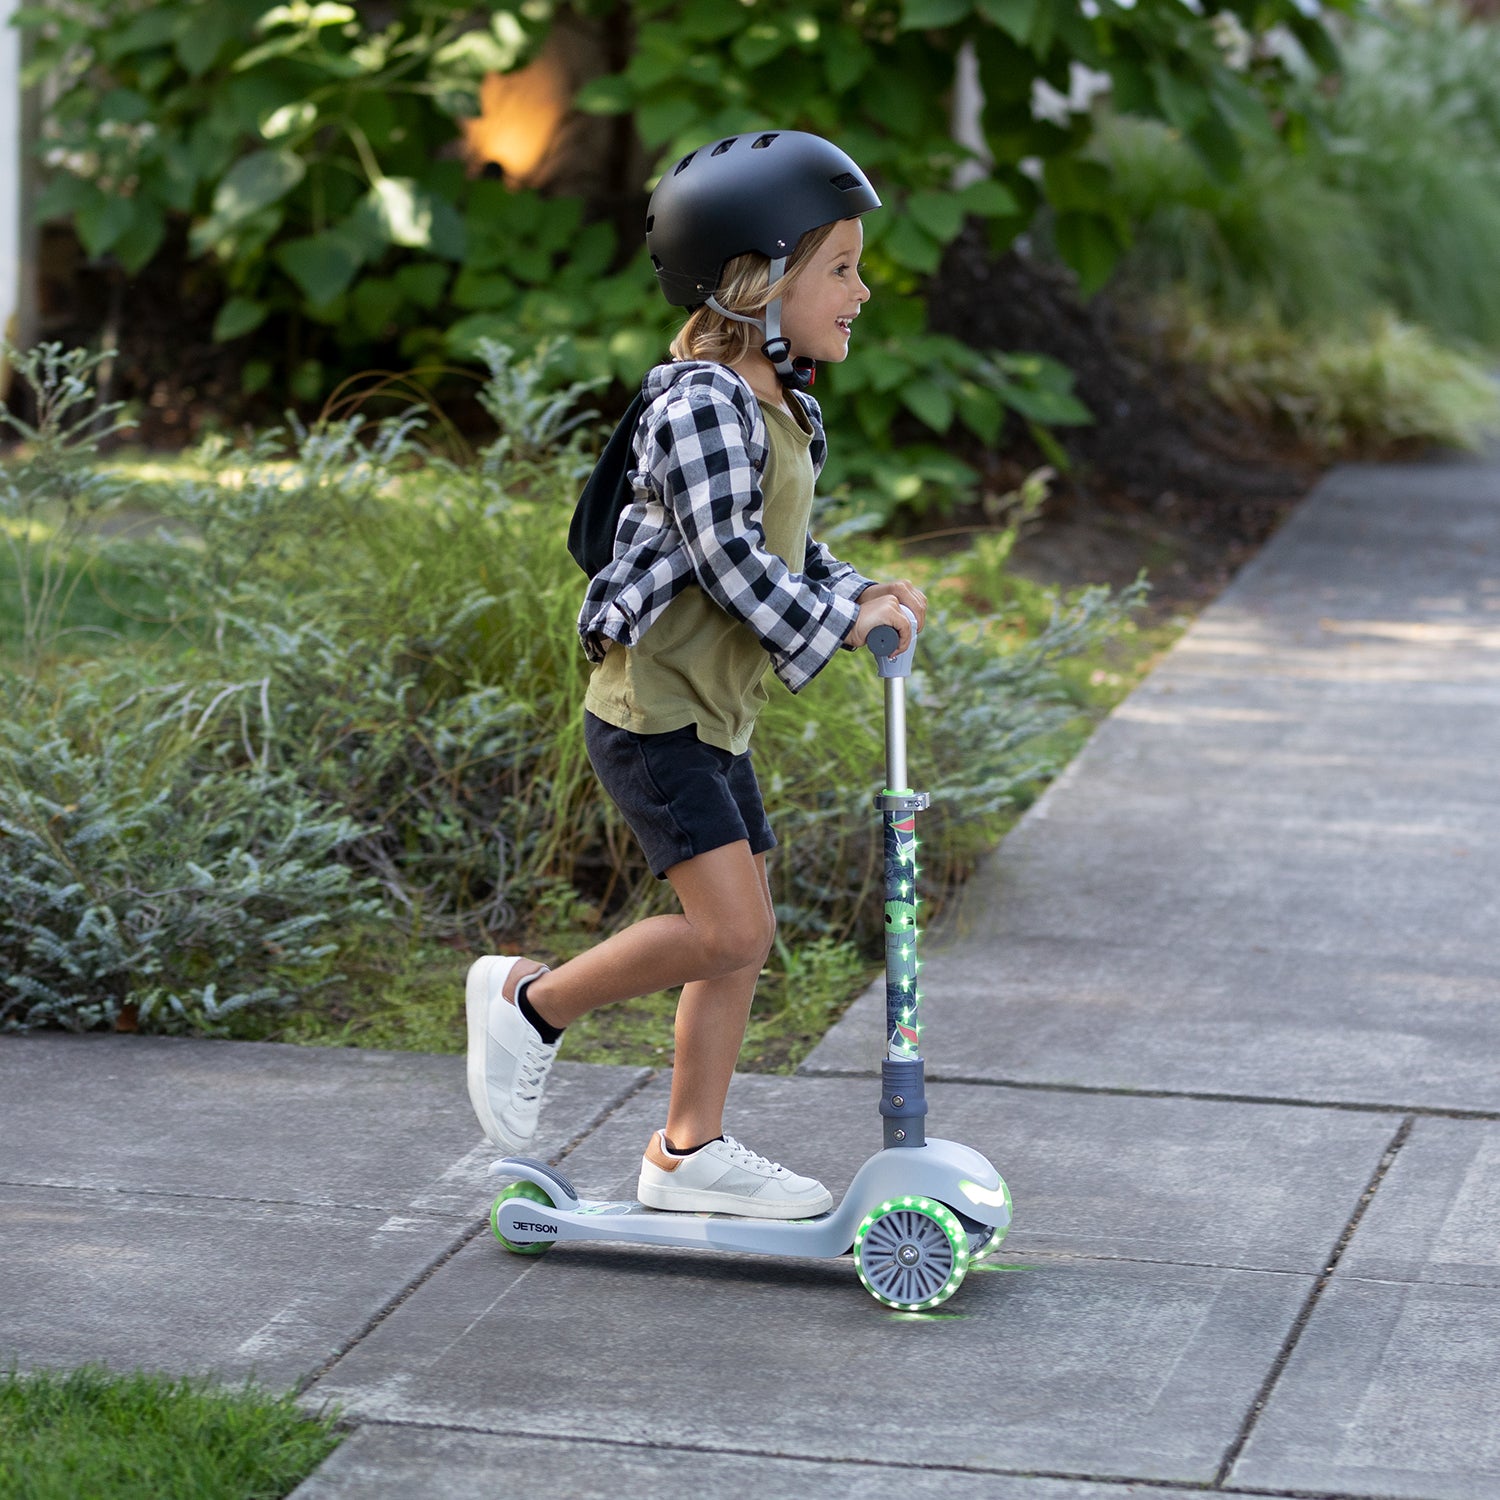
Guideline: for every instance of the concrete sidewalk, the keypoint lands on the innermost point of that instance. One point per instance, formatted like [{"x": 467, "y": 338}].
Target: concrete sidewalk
[{"x": 1224, "y": 1008}]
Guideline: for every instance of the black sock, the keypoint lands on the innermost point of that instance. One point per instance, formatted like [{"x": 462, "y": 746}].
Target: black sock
[
  {"x": 688, "y": 1150},
  {"x": 547, "y": 1032}
]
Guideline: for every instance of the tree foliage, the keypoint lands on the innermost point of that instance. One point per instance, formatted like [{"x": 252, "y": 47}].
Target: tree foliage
[{"x": 312, "y": 148}]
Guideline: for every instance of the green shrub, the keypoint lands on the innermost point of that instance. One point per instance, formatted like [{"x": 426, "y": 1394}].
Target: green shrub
[
  {"x": 1280, "y": 235},
  {"x": 369, "y": 691},
  {"x": 138, "y": 873},
  {"x": 311, "y": 154},
  {"x": 48, "y": 501},
  {"x": 1384, "y": 386},
  {"x": 1389, "y": 199}
]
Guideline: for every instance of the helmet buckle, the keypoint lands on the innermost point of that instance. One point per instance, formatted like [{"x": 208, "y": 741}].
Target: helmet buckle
[{"x": 794, "y": 374}]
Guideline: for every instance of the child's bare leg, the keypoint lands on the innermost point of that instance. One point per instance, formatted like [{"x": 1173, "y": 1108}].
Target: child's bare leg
[
  {"x": 725, "y": 927},
  {"x": 711, "y": 1019}
]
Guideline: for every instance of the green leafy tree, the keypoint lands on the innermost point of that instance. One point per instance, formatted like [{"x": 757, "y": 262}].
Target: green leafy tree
[{"x": 312, "y": 147}]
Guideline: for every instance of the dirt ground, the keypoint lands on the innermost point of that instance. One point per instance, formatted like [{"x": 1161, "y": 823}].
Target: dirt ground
[{"x": 1163, "y": 479}]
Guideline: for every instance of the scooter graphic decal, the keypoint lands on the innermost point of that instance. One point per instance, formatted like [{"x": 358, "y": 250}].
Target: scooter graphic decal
[{"x": 901, "y": 995}]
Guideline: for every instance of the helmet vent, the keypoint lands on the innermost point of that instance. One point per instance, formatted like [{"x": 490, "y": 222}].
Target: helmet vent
[
  {"x": 682, "y": 165},
  {"x": 650, "y": 222},
  {"x": 845, "y": 180},
  {"x": 723, "y": 146},
  {"x": 763, "y": 142}
]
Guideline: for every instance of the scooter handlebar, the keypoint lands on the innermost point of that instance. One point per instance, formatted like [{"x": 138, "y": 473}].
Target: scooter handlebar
[{"x": 883, "y": 641}]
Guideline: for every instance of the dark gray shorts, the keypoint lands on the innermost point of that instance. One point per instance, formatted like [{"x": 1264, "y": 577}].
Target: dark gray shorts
[{"x": 680, "y": 796}]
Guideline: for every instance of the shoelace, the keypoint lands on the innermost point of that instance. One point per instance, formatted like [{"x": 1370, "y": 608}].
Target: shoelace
[
  {"x": 743, "y": 1156},
  {"x": 535, "y": 1064}
]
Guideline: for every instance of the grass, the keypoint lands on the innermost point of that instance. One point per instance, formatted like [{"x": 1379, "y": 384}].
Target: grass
[
  {"x": 420, "y": 715},
  {"x": 104, "y": 603},
  {"x": 90, "y": 1433},
  {"x": 408, "y": 995},
  {"x": 1386, "y": 387},
  {"x": 402, "y": 990}
]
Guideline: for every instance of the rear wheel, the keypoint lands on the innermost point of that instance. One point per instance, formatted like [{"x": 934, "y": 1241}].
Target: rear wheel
[
  {"x": 520, "y": 1190},
  {"x": 989, "y": 1242},
  {"x": 984, "y": 1239},
  {"x": 911, "y": 1253}
]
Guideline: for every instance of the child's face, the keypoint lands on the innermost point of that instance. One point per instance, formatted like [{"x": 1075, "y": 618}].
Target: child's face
[{"x": 826, "y": 297}]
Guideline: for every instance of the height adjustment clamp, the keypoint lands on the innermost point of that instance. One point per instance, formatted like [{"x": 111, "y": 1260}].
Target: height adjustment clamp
[{"x": 903, "y": 801}]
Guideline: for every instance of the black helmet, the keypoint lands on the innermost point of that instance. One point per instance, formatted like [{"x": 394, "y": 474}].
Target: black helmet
[{"x": 760, "y": 191}]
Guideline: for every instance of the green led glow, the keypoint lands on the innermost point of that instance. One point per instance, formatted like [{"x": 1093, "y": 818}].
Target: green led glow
[{"x": 888, "y": 1283}]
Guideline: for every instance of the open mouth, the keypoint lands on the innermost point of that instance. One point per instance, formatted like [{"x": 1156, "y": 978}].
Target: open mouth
[{"x": 845, "y": 323}]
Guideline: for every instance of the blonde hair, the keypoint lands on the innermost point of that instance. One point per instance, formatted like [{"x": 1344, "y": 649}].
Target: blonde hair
[{"x": 742, "y": 289}]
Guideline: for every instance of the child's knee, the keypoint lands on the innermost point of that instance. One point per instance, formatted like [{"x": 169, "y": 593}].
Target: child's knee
[{"x": 739, "y": 940}]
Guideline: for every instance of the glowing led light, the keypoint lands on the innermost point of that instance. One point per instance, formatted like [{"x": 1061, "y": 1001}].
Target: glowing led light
[{"x": 988, "y": 1197}]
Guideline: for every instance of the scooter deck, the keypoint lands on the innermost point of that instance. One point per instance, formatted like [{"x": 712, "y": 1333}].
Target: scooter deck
[
  {"x": 944, "y": 1171},
  {"x": 523, "y": 1221}
]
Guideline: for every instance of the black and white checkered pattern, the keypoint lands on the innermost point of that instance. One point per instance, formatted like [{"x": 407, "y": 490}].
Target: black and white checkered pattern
[{"x": 700, "y": 449}]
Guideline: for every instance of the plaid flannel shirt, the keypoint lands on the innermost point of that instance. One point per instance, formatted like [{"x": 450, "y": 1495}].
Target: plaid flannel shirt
[{"x": 700, "y": 448}]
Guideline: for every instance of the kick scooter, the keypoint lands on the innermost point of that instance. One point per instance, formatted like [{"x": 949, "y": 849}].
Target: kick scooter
[{"x": 918, "y": 1213}]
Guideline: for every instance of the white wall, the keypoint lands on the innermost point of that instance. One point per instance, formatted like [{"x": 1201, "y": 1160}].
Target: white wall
[{"x": 10, "y": 177}]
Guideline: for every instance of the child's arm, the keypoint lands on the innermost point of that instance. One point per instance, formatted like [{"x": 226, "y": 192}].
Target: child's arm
[
  {"x": 822, "y": 566},
  {"x": 711, "y": 487}
]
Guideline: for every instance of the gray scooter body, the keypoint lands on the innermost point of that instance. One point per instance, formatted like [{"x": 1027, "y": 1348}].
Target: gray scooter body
[
  {"x": 918, "y": 1212},
  {"x": 943, "y": 1171}
]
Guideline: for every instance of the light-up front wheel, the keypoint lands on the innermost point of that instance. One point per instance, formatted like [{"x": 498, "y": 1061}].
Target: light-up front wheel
[
  {"x": 520, "y": 1190},
  {"x": 911, "y": 1253}
]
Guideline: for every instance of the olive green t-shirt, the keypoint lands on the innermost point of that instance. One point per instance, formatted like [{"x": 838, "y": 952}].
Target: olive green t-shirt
[{"x": 698, "y": 664}]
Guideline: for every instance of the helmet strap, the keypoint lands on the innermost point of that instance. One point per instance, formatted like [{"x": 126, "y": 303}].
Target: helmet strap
[{"x": 794, "y": 374}]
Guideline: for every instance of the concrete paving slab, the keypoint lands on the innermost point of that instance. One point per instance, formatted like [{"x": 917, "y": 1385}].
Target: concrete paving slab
[
  {"x": 404, "y": 1461},
  {"x": 1274, "y": 872},
  {"x": 1257, "y": 1023},
  {"x": 265, "y": 1121},
  {"x": 1110, "y": 1368},
  {"x": 234, "y": 1207},
  {"x": 1436, "y": 1218},
  {"x": 213, "y": 1286},
  {"x": 1422, "y": 536},
  {"x": 1313, "y": 885},
  {"x": 1170, "y": 1180},
  {"x": 1251, "y": 750},
  {"x": 1389, "y": 1393}
]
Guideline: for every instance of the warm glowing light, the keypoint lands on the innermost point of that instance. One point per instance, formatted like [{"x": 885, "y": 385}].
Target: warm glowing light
[{"x": 519, "y": 117}]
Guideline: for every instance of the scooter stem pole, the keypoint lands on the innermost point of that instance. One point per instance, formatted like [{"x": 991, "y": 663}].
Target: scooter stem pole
[
  {"x": 895, "y": 734},
  {"x": 903, "y": 1101}
]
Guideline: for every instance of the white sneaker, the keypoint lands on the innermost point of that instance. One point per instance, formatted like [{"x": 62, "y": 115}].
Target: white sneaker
[
  {"x": 508, "y": 1060},
  {"x": 725, "y": 1177}
]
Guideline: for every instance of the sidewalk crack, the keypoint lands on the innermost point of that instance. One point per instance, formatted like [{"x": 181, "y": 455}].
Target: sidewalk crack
[{"x": 1309, "y": 1307}]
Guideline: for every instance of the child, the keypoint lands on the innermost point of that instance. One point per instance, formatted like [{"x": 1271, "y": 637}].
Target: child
[{"x": 713, "y": 573}]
